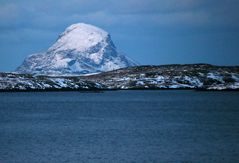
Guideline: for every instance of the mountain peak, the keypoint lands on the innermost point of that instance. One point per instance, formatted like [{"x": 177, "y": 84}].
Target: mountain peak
[
  {"x": 79, "y": 37},
  {"x": 86, "y": 28},
  {"x": 80, "y": 49}
]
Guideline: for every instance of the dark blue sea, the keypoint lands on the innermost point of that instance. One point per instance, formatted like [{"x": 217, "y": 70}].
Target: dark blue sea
[{"x": 119, "y": 126}]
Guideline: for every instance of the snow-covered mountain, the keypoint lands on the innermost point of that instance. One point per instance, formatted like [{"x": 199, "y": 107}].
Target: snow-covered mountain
[{"x": 80, "y": 49}]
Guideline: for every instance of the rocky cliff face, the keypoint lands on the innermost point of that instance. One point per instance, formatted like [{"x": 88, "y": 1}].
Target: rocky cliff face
[{"x": 80, "y": 49}]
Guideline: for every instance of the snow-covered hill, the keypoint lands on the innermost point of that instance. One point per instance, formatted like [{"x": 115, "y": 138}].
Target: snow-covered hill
[
  {"x": 195, "y": 76},
  {"x": 188, "y": 76},
  {"x": 80, "y": 49}
]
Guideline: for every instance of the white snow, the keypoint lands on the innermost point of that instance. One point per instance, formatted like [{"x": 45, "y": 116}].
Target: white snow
[
  {"x": 160, "y": 79},
  {"x": 123, "y": 79},
  {"x": 79, "y": 37},
  {"x": 76, "y": 67},
  {"x": 215, "y": 76},
  {"x": 60, "y": 61},
  {"x": 234, "y": 86},
  {"x": 96, "y": 57},
  {"x": 90, "y": 74},
  {"x": 109, "y": 65},
  {"x": 140, "y": 83},
  {"x": 235, "y": 77},
  {"x": 193, "y": 80},
  {"x": 175, "y": 86},
  {"x": 60, "y": 82}
]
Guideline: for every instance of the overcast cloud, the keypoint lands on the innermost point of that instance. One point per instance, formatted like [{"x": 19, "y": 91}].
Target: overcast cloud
[{"x": 150, "y": 31}]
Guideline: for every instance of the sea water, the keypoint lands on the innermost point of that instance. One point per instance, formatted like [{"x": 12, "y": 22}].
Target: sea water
[{"x": 119, "y": 126}]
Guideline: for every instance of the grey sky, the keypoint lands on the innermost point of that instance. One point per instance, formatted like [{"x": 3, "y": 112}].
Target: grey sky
[{"x": 149, "y": 31}]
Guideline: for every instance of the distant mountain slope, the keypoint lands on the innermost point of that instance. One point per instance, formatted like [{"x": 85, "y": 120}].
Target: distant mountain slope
[
  {"x": 80, "y": 49},
  {"x": 193, "y": 76}
]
